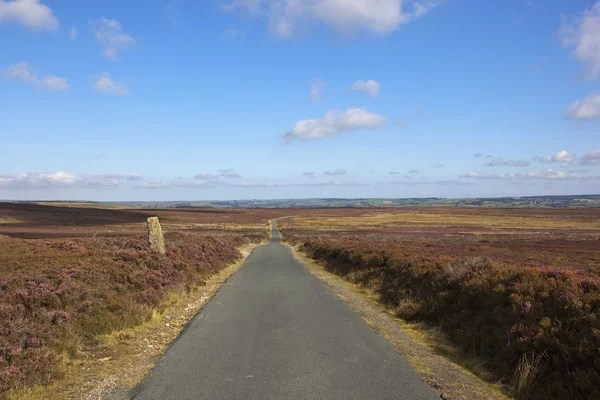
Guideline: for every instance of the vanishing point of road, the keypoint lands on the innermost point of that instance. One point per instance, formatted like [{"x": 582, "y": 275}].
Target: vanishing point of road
[{"x": 274, "y": 331}]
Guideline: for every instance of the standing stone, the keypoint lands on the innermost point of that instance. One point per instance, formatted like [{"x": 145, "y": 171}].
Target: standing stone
[{"x": 155, "y": 235}]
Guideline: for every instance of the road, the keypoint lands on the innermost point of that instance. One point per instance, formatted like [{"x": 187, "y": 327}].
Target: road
[{"x": 274, "y": 331}]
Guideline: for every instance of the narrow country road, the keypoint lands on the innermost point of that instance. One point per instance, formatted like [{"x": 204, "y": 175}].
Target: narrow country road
[{"x": 274, "y": 331}]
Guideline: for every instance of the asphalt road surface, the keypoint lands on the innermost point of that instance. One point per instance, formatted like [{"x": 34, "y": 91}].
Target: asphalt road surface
[{"x": 274, "y": 331}]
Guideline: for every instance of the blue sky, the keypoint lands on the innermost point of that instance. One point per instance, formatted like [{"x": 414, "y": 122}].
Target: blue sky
[{"x": 238, "y": 99}]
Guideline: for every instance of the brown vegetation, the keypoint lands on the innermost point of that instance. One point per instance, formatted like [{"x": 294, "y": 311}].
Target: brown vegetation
[
  {"x": 58, "y": 292},
  {"x": 506, "y": 285}
]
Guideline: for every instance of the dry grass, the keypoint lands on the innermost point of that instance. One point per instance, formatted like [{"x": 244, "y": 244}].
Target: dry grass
[{"x": 524, "y": 376}]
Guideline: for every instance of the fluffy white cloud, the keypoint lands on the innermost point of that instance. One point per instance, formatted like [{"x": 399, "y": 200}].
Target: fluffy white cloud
[
  {"x": 315, "y": 91},
  {"x": 21, "y": 71},
  {"x": 111, "y": 38},
  {"x": 562, "y": 156},
  {"x": 583, "y": 36},
  {"x": 55, "y": 83},
  {"x": 63, "y": 179},
  {"x": 335, "y": 123},
  {"x": 105, "y": 84},
  {"x": 370, "y": 87},
  {"x": 586, "y": 108},
  {"x": 25, "y": 72},
  {"x": 592, "y": 157},
  {"x": 380, "y": 17},
  {"x": 336, "y": 172},
  {"x": 29, "y": 13},
  {"x": 496, "y": 162}
]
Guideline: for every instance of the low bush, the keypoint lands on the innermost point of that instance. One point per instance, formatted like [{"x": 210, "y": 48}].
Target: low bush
[
  {"x": 495, "y": 311},
  {"x": 57, "y": 294}
]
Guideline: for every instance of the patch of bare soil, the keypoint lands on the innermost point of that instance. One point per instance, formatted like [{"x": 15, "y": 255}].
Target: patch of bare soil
[{"x": 431, "y": 357}]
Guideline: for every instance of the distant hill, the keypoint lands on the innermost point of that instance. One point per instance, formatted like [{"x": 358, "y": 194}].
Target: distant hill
[{"x": 531, "y": 201}]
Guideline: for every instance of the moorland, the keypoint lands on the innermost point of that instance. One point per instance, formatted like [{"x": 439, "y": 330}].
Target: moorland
[
  {"x": 69, "y": 274},
  {"x": 518, "y": 288}
]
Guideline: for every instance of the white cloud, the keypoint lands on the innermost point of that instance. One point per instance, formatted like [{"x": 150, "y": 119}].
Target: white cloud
[
  {"x": 154, "y": 185},
  {"x": 370, "y": 87},
  {"x": 496, "y": 162},
  {"x": 413, "y": 171},
  {"x": 439, "y": 182},
  {"x": 21, "y": 71},
  {"x": 25, "y": 72},
  {"x": 109, "y": 34},
  {"x": 587, "y": 108},
  {"x": 516, "y": 163},
  {"x": 61, "y": 179},
  {"x": 543, "y": 174},
  {"x": 29, "y": 13},
  {"x": 309, "y": 174},
  {"x": 562, "y": 156},
  {"x": 381, "y": 17},
  {"x": 229, "y": 174},
  {"x": 287, "y": 184},
  {"x": 135, "y": 177},
  {"x": 105, "y": 84},
  {"x": 583, "y": 36},
  {"x": 100, "y": 181},
  {"x": 55, "y": 83},
  {"x": 335, "y": 123},
  {"x": 205, "y": 176},
  {"x": 315, "y": 91},
  {"x": 73, "y": 33},
  {"x": 336, "y": 172},
  {"x": 222, "y": 173},
  {"x": 592, "y": 157}
]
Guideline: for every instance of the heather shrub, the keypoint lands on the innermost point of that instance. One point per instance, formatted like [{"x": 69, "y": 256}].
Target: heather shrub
[
  {"x": 57, "y": 294},
  {"x": 508, "y": 315}
]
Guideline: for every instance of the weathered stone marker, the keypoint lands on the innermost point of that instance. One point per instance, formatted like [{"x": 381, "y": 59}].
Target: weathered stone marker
[{"x": 155, "y": 235}]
